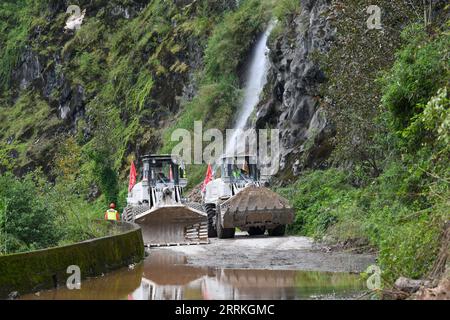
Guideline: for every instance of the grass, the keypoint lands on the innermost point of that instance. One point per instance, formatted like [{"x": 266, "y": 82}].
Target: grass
[{"x": 14, "y": 28}]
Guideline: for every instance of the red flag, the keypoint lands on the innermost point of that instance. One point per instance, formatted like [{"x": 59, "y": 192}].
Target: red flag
[
  {"x": 208, "y": 178},
  {"x": 170, "y": 174},
  {"x": 132, "y": 177}
]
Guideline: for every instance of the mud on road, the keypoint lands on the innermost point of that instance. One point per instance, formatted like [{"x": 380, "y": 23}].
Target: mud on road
[{"x": 271, "y": 253}]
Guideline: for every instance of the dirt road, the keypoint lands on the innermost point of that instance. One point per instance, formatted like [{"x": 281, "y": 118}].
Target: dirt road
[{"x": 273, "y": 253}]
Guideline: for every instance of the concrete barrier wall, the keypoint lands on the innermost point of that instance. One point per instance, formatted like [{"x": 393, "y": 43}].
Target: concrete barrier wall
[{"x": 44, "y": 269}]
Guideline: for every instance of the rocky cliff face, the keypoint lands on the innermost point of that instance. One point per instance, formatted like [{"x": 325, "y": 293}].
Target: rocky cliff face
[
  {"x": 51, "y": 65},
  {"x": 138, "y": 62},
  {"x": 293, "y": 104},
  {"x": 37, "y": 70},
  {"x": 141, "y": 58}
]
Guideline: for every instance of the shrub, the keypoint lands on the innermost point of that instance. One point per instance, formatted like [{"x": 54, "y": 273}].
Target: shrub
[
  {"x": 421, "y": 68},
  {"x": 432, "y": 126},
  {"x": 233, "y": 38},
  {"x": 286, "y": 10},
  {"x": 25, "y": 222},
  {"x": 12, "y": 40},
  {"x": 316, "y": 197},
  {"x": 401, "y": 213}
]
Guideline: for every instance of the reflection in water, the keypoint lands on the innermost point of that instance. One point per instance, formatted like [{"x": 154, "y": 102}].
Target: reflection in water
[{"x": 166, "y": 276}]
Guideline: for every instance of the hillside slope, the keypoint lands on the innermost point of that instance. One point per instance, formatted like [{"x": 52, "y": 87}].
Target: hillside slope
[
  {"x": 363, "y": 113},
  {"x": 113, "y": 86}
]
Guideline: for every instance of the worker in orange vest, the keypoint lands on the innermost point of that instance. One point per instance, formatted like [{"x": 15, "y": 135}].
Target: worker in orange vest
[{"x": 112, "y": 213}]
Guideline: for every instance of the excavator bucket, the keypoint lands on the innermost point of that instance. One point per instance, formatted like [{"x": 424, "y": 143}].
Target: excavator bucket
[
  {"x": 173, "y": 225},
  {"x": 256, "y": 206}
]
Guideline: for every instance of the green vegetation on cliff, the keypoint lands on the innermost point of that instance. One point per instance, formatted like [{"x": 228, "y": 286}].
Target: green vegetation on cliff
[
  {"x": 395, "y": 199},
  {"x": 81, "y": 105},
  {"x": 36, "y": 215}
]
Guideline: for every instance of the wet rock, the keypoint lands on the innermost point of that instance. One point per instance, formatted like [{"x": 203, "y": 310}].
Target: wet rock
[
  {"x": 13, "y": 295},
  {"x": 53, "y": 78},
  {"x": 296, "y": 167},
  {"x": 410, "y": 285},
  {"x": 71, "y": 102},
  {"x": 294, "y": 105},
  {"x": 29, "y": 69},
  {"x": 194, "y": 57}
]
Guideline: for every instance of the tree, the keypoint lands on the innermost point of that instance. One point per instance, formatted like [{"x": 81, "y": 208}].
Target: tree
[{"x": 25, "y": 221}]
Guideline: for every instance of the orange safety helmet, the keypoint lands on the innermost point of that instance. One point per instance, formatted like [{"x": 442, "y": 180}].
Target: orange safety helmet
[{"x": 112, "y": 205}]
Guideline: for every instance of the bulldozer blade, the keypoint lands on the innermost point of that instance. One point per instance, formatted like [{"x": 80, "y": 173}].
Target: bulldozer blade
[
  {"x": 256, "y": 206},
  {"x": 173, "y": 225}
]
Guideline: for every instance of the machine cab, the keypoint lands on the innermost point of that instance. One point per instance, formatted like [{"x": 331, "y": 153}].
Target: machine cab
[
  {"x": 158, "y": 172},
  {"x": 163, "y": 171},
  {"x": 236, "y": 172},
  {"x": 239, "y": 169}
]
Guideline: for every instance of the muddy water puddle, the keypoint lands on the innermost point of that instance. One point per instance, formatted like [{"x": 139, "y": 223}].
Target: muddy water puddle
[{"x": 165, "y": 275}]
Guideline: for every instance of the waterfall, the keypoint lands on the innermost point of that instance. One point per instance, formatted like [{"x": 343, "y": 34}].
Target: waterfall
[{"x": 255, "y": 80}]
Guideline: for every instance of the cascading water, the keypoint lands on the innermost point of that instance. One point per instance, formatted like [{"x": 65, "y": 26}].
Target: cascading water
[{"x": 255, "y": 81}]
